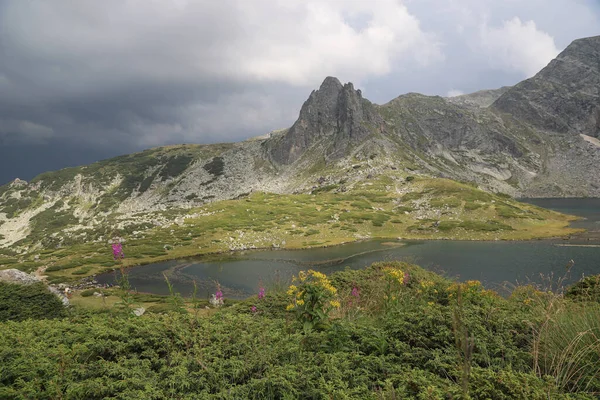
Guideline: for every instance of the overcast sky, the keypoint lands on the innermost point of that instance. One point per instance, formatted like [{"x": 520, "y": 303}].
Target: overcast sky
[{"x": 82, "y": 80}]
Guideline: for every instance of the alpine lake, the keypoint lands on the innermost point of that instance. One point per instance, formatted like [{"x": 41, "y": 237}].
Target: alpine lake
[{"x": 499, "y": 265}]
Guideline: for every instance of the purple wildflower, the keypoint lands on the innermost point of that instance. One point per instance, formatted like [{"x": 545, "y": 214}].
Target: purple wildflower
[
  {"x": 219, "y": 295},
  {"x": 406, "y": 277},
  {"x": 355, "y": 292},
  {"x": 261, "y": 293},
  {"x": 254, "y": 309}
]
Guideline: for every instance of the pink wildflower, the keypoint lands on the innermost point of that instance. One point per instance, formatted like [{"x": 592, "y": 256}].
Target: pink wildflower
[
  {"x": 254, "y": 309},
  {"x": 261, "y": 293},
  {"x": 117, "y": 249}
]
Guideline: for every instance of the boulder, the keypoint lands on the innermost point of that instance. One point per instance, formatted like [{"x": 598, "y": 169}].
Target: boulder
[{"x": 16, "y": 276}]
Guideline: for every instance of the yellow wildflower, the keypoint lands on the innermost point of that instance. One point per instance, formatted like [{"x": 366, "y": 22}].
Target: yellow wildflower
[
  {"x": 430, "y": 303},
  {"x": 427, "y": 284},
  {"x": 302, "y": 276},
  {"x": 300, "y": 302},
  {"x": 291, "y": 290},
  {"x": 318, "y": 275},
  {"x": 290, "y": 307},
  {"x": 395, "y": 274},
  {"x": 327, "y": 286},
  {"x": 335, "y": 303}
]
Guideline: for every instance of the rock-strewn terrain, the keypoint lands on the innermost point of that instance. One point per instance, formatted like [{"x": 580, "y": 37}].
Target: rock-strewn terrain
[{"x": 536, "y": 139}]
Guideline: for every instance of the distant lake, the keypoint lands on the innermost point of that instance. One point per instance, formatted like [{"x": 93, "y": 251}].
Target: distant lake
[{"x": 494, "y": 263}]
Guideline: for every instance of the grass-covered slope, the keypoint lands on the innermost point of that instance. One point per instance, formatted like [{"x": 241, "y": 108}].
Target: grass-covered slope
[
  {"x": 391, "y": 331},
  {"x": 382, "y": 207}
]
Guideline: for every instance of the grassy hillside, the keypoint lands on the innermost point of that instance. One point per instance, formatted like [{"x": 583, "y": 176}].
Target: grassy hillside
[
  {"x": 391, "y": 331},
  {"x": 381, "y": 207}
]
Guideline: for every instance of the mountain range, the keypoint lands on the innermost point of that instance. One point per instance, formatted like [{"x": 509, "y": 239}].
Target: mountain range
[{"x": 539, "y": 138}]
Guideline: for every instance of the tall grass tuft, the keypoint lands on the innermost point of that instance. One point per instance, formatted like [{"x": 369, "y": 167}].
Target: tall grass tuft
[
  {"x": 569, "y": 347},
  {"x": 566, "y": 338}
]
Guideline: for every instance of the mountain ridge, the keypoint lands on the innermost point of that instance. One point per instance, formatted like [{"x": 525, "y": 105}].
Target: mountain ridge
[{"x": 340, "y": 136}]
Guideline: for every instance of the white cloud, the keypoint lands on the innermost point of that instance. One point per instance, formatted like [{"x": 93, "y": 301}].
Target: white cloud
[
  {"x": 518, "y": 46},
  {"x": 291, "y": 41},
  {"x": 454, "y": 93}
]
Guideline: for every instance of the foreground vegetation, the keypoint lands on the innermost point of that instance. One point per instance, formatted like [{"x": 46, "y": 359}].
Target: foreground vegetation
[
  {"x": 391, "y": 331},
  {"x": 387, "y": 207}
]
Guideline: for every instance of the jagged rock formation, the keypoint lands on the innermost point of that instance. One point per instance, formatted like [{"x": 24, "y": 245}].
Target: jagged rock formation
[
  {"x": 536, "y": 139},
  {"x": 337, "y": 113}
]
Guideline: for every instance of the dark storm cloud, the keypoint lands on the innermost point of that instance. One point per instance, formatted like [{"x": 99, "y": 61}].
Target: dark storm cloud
[{"x": 113, "y": 76}]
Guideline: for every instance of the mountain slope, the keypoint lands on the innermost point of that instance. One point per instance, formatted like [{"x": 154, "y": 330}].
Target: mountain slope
[
  {"x": 479, "y": 99},
  {"x": 525, "y": 144},
  {"x": 564, "y": 97}
]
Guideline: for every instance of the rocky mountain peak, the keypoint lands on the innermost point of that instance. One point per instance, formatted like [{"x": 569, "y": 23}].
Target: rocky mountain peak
[
  {"x": 336, "y": 113},
  {"x": 563, "y": 97},
  {"x": 331, "y": 84}
]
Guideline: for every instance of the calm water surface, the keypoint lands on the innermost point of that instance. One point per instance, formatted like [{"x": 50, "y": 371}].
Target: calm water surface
[{"x": 494, "y": 263}]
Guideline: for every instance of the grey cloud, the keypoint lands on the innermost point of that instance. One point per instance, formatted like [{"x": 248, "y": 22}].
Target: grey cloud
[{"x": 122, "y": 76}]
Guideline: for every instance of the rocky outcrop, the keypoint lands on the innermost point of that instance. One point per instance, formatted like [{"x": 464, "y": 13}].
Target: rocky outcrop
[
  {"x": 16, "y": 276},
  {"x": 335, "y": 113},
  {"x": 564, "y": 97}
]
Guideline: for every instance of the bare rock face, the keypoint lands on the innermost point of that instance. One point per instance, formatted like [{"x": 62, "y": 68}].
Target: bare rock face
[
  {"x": 428, "y": 121},
  {"x": 564, "y": 97},
  {"x": 335, "y": 112}
]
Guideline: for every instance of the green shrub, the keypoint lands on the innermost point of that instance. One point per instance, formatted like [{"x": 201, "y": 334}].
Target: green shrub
[
  {"x": 587, "y": 289},
  {"x": 369, "y": 346},
  {"x": 20, "y": 302},
  {"x": 90, "y": 292}
]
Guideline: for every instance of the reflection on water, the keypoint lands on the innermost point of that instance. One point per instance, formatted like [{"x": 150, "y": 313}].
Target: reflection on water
[{"x": 240, "y": 274}]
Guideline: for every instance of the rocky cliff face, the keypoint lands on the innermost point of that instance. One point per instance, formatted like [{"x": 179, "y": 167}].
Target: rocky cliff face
[
  {"x": 564, "y": 97},
  {"x": 336, "y": 114}
]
